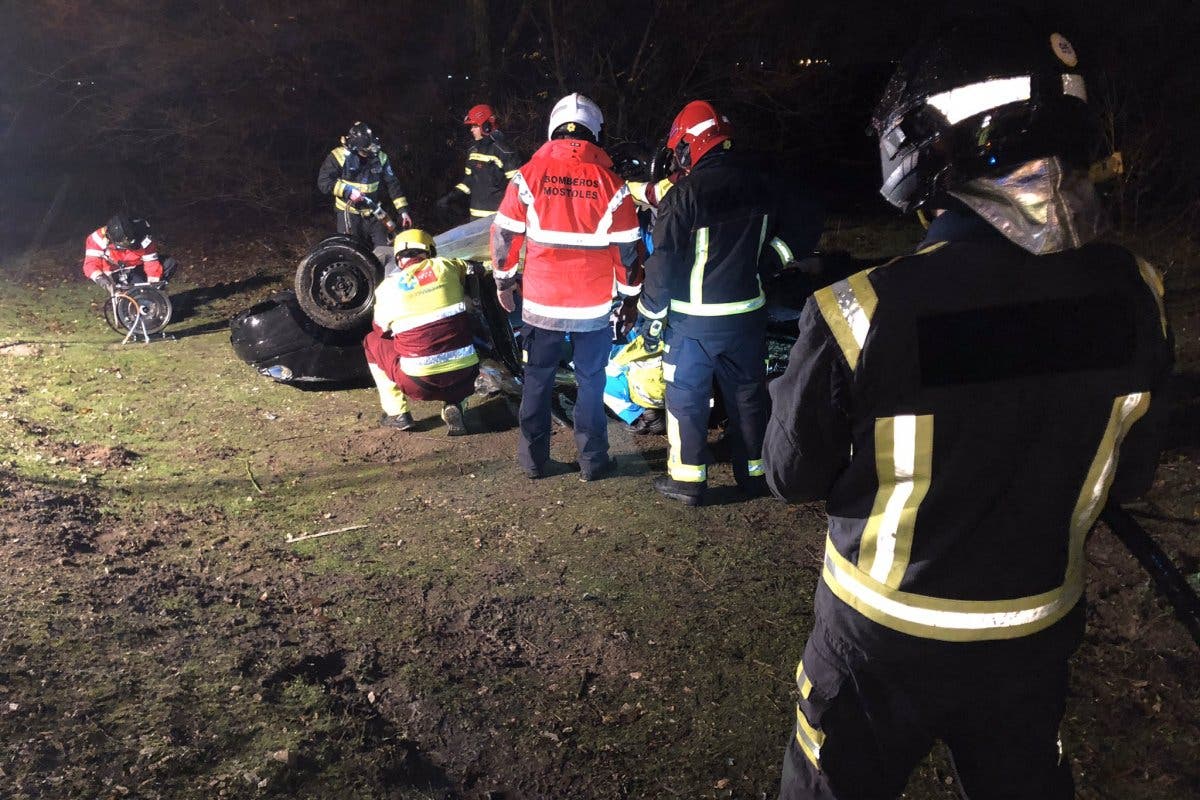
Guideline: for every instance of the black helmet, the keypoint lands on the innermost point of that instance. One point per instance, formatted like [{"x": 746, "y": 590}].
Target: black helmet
[
  {"x": 126, "y": 231},
  {"x": 980, "y": 96},
  {"x": 361, "y": 137},
  {"x": 631, "y": 161}
]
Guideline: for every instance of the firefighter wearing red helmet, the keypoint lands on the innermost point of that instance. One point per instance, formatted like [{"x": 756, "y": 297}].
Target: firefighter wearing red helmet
[
  {"x": 491, "y": 163},
  {"x": 582, "y": 246},
  {"x": 727, "y": 221}
]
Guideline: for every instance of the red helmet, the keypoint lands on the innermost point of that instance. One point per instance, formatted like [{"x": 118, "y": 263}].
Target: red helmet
[
  {"x": 700, "y": 128},
  {"x": 481, "y": 115}
]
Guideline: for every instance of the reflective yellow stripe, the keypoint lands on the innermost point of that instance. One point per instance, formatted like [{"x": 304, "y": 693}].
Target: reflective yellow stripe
[
  {"x": 439, "y": 363},
  {"x": 719, "y": 309},
  {"x": 847, "y": 307},
  {"x": 809, "y": 738},
  {"x": 1154, "y": 280},
  {"x": 462, "y": 187},
  {"x": 486, "y": 158},
  {"x": 696, "y": 283},
  {"x": 1126, "y": 410},
  {"x": 754, "y": 468},
  {"x": 785, "y": 252},
  {"x": 903, "y": 464},
  {"x": 802, "y": 681},
  {"x": 400, "y": 202},
  {"x": 688, "y": 473},
  {"x": 510, "y": 173},
  {"x": 977, "y": 620},
  {"x": 479, "y": 212}
]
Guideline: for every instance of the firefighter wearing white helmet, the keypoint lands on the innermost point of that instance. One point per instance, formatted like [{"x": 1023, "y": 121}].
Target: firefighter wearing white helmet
[
  {"x": 420, "y": 344},
  {"x": 965, "y": 412},
  {"x": 580, "y": 233}
]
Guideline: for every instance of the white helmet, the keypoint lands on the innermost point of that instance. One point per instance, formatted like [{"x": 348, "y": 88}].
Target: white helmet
[{"x": 578, "y": 109}]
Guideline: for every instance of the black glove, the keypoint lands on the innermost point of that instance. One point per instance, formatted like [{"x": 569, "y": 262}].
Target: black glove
[
  {"x": 651, "y": 332},
  {"x": 445, "y": 200},
  {"x": 104, "y": 280},
  {"x": 623, "y": 318}
]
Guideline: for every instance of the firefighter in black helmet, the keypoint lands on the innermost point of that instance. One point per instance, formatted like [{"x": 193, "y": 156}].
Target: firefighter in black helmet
[
  {"x": 353, "y": 172},
  {"x": 965, "y": 412}
]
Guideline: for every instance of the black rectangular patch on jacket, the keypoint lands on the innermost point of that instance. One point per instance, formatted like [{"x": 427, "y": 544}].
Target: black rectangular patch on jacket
[{"x": 1076, "y": 334}]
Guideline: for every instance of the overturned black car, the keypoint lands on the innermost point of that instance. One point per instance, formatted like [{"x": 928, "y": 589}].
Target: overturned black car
[{"x": 312, "y": 337}]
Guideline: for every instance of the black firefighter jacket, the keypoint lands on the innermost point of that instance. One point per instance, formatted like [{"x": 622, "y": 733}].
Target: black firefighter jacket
[
  {"x": 719, "y": 230},
  {"x": 491, "y": 163},
  {"x": 965, "y": 412},
  {"x": 344, "y": 169}
]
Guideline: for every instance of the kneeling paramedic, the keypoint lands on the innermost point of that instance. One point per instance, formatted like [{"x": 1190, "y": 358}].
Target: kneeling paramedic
[
  {"x": 965, "y": 412},
  {"x": 124, "y": 243},
  {"x": 580, "y": 231},
  {"x": 723, "y": 224},
  {"x": 420, "y": 341}
]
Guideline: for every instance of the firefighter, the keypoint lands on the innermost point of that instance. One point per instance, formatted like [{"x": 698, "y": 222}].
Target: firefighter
[
  {"x": 124, "y": 243},
  {"x": 965, "y": 412},
  {"x": 725, "y": 222},
  {"x": 575, "y": 218},
  {"x": 352, "y": 173},
  {"x": 420, "y": 344},
  {"x": 491, "y": 164}
]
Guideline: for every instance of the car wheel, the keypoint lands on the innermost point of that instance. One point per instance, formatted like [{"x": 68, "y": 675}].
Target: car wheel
[{"x": 335, "y": 285}]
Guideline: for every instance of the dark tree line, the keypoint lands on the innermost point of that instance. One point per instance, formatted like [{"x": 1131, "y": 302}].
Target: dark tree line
[{"x": 229, "y": 106}]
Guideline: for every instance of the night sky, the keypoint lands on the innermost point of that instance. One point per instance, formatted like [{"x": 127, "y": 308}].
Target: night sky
[{"x": 227, "y": 108}]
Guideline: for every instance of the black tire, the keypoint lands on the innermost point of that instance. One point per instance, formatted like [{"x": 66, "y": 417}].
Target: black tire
[{"x": 335, "y": 284}]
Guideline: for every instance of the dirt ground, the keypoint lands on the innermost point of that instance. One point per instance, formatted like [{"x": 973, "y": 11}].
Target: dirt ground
[{"x": 460, "y": 632}]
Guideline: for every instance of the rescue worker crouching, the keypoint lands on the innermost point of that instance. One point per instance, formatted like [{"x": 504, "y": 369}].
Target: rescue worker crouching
[
  {"x": 575, "y": 218},
  {"x": 965, "y": 412},
  {"x": 124, "y": 242},
  {"x": 491, "y": 164},
  {"x": 420, "y": 344},
  {"x": 724, "y": 223},
  {"x": 353, "y": 172}
]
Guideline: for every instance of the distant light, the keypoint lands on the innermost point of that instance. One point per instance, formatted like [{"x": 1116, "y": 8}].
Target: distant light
[{"x": 449, "y": 76}]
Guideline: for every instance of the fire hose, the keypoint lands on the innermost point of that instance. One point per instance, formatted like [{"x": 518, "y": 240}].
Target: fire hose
[{"x": 1167, "y": 578}]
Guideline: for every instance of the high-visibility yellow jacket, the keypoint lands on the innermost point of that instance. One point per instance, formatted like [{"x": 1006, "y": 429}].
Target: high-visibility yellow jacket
[{"x": 423, "y": 309}]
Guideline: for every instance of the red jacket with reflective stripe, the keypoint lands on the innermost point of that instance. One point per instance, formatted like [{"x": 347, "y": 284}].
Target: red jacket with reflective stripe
[
  {"x": 100, "y": 256},
  {"x": 580, "y": 229}
]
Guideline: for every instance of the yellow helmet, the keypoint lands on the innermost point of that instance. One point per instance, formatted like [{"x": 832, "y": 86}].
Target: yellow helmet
[{"x": 413, "y": 239}]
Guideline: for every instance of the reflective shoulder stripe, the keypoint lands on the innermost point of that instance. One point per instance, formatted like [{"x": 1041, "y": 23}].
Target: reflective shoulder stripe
[
  {"x": 699, "y": 261},
  {"x": 98, "y": 240},
  {"x": 462, "y": 187},
  {"x": 780, "y": 247},
  {"x": 508, "y": 223},
  {"x": 847, "y": 307},
  {"x": 479, "y": 212},
  {"x": 510, "y": 174},
  {"x": 523, "y": 192},
  {"x": 339, "y": 155},
  {"x": 1154, "y": 280},
  {"x": 719, "y": 309},
  {"x": 940, "y": 618},
  {"x": 603, "y": 228},
  {"x": 411, "y": 323},
  {"x": 904, "y": 466},
  {"x": 567, "y": 312}
]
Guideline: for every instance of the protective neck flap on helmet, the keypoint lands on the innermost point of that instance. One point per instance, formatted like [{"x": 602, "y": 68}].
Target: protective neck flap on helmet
[{"x": 1043, "y": 206}]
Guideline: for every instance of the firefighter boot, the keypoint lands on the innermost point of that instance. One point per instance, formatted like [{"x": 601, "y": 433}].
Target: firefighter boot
[
  {"x": 686, "y": 492},
  {"x": 401, "y": 422},
  {"x": 452, "y": 415}
]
